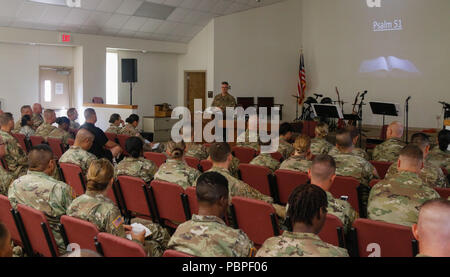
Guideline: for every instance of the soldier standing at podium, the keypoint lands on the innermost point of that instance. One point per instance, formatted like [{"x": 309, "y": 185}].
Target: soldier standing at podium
[{"x": 224, "y": 99}]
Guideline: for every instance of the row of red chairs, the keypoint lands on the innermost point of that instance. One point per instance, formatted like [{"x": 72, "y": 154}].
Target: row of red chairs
[{"x": 55, "y": 144}]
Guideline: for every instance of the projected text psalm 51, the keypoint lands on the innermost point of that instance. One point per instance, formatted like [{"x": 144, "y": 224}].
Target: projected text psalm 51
[{"x": 385, "y": 26}]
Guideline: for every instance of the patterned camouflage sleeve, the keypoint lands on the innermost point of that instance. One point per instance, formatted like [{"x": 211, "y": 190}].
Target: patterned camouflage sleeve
[
  {"x": 441, "y": 181},
  {"x": 192, "y": 178},
  {"x": 246, "y": 190},
  {"x": 368, "y": 173},
  {"x": 113, "y": 223},
  {"x": 244, "y": 246},
  {"x": 61, "y": 198}
]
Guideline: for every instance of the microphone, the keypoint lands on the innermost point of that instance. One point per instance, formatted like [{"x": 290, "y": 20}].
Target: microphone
[
  {"x": 318, "y": 95},
  {"x": 365, "y": 92},
  {"x": 409, "y": 98}
]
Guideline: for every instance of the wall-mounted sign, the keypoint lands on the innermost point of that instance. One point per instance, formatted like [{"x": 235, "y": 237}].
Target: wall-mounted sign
[{"x": 64, "y": 37}]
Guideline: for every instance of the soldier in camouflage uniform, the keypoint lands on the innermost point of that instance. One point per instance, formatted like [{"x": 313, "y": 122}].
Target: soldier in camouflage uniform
[
  {"x": 136, "y": 165},
  {"x": 62, "y": 132},
  {"x": 397, "y": 199},
  {"x": 220, "y": 155},
  {"x": 37, "y": 115},
  {"x": 319, "y": 144},
  {"x": 5, "y": 180},
  {"x": 356, "y": 151},
  {"x": 196, "y": 150},
  {"x": 94, "y": 206},
  {"x": 322, "y": 174},
  {"x": 307, "y": 211},
  {"x": 130, "y": 130},
  {"x": 78, "y": 153},
  {"x": 432, "y": 230},
  {"x": 14, "y": 155},
  {"x": 46, "y": 128},
  {"x": 206, "y": 234},
  {"x": 40, "y": 191},
  {"x": 300, "y": 161},
  {"x": 247, "y": 143},
  {"x": 72, "y": 114},
  {"x": 24, "y": 110},
  {"x": 285, "y": 148},
  {"x": 389, "y": 150},
  {"x": 224, "y": 100},
  {"x": 430, "y": 174},
  {"x": 116, "y": 124},
  {"x": 266, "y": 160},
  {"x": 175, "y": 170},
  {"x": 440, "y": 155}
]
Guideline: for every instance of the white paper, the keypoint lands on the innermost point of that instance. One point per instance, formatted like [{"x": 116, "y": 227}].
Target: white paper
[
  {"x": 59, "y": 88},
  {"x": 138, "y": 228}
]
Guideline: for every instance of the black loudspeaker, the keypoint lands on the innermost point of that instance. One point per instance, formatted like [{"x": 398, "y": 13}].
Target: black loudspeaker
[{"x": 129, "y": 71}]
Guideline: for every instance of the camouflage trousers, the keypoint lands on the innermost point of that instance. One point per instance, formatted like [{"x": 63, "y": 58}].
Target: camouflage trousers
[{"x": 157, "y": 242}]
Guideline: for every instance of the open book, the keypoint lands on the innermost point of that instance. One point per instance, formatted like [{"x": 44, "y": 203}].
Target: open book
[{"x": 387, "y": 64}]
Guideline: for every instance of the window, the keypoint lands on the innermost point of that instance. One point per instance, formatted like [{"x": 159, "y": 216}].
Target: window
[
  {"x": 48, "y": 91},
  {"x": 112, "y": 81}
]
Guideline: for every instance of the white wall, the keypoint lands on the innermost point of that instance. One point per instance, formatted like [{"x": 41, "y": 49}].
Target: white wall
[
  {"x": 157, "y": 81},
  {"x": 258, "y": 52},
  {"x": 337, "y": 37},
  {"x": 199, "y": 57},
  {"x": 19, "y": 72}
]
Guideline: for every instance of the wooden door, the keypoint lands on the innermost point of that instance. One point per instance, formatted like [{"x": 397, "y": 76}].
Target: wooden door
[
  {"x": 55, "y": 88},
  {"x": 196, "y": 89}
]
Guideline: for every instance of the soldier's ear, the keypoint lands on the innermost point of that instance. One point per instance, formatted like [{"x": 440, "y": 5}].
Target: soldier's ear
[
  {"x": 415, "y": 232},
  {"x": 398, "y": 163}
]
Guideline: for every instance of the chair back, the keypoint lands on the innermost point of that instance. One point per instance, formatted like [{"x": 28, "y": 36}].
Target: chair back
[
  {"x": 191, "y": 193},
  {"x": 6, "y": 217},
  {"x": 36, "y": 140},
  {"x": 70, "y": 142},
  {"x": 346, "y": 186},
  {"x": 443, "y": 192},
  {"x": 333, "y": 231},
  {"x": 381, "y": 167},
  {"x": 374, "y": 182},
  {"x": 21, "y": 138},
  {"x": 192, "y": 162},
  {"x": 122, "y": 141},
  {"x": 277, "y": 156},
  {"x": 287, "y": 181},
  {"x": 206, "y": 165},
  {"x": 258, "y": 177},
  {"x": 79, "y": 231},
  {"x": 57, "y": 147},
  {"x": 175, "y": 254},
  {"x": 157, "y": 158},
  {"x": 111, "y": 136},
  {"x": 112, "y": 246},
  {"x": 135, "y": 196},
  {"x": 244, "y": 154},
  {"x": 73, "y": 176}
]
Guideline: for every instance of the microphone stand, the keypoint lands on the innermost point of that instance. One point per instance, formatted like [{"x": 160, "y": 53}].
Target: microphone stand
[
  {"x": 360, "y": 113},
  {"x": 407, "y": 118}
]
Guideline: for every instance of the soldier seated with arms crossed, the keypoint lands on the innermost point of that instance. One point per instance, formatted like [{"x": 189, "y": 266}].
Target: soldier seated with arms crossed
[
  {"x": 175, "y": 170},
  {"x": 206, "y": 234},
  {"x": 389, "y": 150},
  {"x": 397, "y": 199},
  {"x": 136, "y": 165},
  {"x": 94, "y": 206},
  {"x": 300, "y": 160},
  {"x": 78, "y": 153},
  {"x": 322, "y": 174},
  {"x": 220, "y": 154},
  {"x": 307, "y": 212},
  {"x": 319, "y": 144},
  {"x": 432, "y": 230},
  {"x": 40, "y": 191},
  {"x": 430, "y": 174}
]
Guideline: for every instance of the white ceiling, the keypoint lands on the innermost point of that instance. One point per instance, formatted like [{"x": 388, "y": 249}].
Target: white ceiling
[{"x": 115, "y": 17}]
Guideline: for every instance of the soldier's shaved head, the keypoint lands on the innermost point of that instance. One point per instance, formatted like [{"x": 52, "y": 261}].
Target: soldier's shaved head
[
  {"x": 5, "y": 119},
  {"x": 433, "y": 228},
  {"x": 84, "y": 139},
  {"x": 211, "y": 187},
  {"x": 344, "y": 139},
  {"x": 411, "y": 158},
  {"x": 219, "y": 152},
  {"x": 26, "y": 109},
  {"x": 323, "y": 168},
  {"x": 40, "y": 157},
  {"x": 394, "y": 130}
]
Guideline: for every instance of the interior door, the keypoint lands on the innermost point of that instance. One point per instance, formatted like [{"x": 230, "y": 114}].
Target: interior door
[
  {"x": 55, "y": 88},
  {"x": 196, "y": 88}
]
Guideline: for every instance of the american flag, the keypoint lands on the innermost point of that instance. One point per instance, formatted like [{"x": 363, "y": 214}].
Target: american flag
[{"x": 301, "y": 80}]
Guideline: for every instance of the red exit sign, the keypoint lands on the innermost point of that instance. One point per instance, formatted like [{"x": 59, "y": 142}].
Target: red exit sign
[{"x": 65, "y": 37}]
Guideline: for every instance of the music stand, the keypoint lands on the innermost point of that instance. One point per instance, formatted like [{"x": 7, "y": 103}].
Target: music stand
[
  {"x": 327, "y": 110},
  {"x": 381, "y": 108}
]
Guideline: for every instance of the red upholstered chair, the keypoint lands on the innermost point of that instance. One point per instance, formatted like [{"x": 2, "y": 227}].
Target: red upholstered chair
[
  {"x": 287, "y": 181},
  {"x": 7, "y": 218},
  {"x": 191, "y": 193},
  {"x": 206, "y": 165},
  {"x": 112, "y": 246},
  {"x": 374, "y": 182},
  {"x": 157, "y": 158},
  {"x": 21, "y": 138},
  {"x": 73, "y": 176},
  {"x": 258, "y": 177},
  {"x": 256, "y": 218},
  {"x": 309, "y": 128},
  {"x": 79, "y": 231},
  {"x": 57, "y": 147},
  {"x": 175, "y": 254},
  {"x": 135, "y": 194},
  {"x": 277, "y": 156},
  {"x": 70, "y": 142},
  {"x": 171, "y": 203},
  {"x": 346, "y": 186},
  {"x": 97, "y": 100},
  {"x": 444, "y": 170},
  {"x": 192, "y": 162},
  {"x": 372, "y": 238},
  {"x": 37, "y": 231},
  {"x": 244, "y": 154},
  {"x": 443, "y": 192},
  {"x": 382, "y": 167},
  {"x": 333, "y": 231},
  {"x": 122, "y": 140},
  {"x": 36, "y": 140},
  {"x": 111, "y": 137}
]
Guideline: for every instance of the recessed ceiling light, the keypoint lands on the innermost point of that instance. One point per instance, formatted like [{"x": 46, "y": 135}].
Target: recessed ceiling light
[{"x": 153, "y": 10}]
